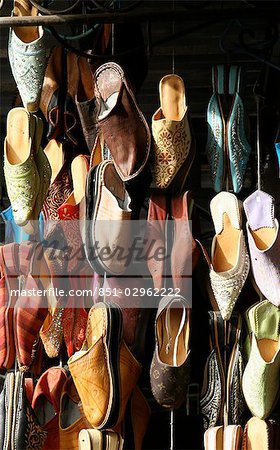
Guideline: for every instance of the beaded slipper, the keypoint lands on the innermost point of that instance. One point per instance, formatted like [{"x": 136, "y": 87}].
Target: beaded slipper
[
  {"x": 21, "y": 174},
  {"x": 230, "y": 259},
  {"x": 27, "y": 55}
]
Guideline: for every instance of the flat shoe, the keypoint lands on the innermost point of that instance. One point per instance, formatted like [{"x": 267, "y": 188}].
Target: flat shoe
[
  {"x": 108, "y": 209},
  {"x": 123, "y": 125},
  {"x": 170, "y": 368},
  {"x": 101, "y": 350},
  {"x": 21, "y": 173},
  {"x": 264, "y": 244},
  {"x": 27, "y": 56},
  {"x": 230, "y": 259},
  {"x": 261, "y": 375},
  {"x": 174, "y": 146}
]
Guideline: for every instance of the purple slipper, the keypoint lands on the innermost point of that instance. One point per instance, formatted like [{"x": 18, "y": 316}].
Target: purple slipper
[{"x": 264, "y": 244}]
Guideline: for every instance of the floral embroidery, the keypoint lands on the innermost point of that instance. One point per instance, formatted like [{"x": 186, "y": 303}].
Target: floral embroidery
[
  {"x": 35, "y": 436},
  {"x": 172, "y": 142}
]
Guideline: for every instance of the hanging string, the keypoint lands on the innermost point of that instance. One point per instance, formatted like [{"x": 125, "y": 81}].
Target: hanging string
[
  {"x": 173, "y": 49},
  {"x": 258, "y": 145},
  {"x": 172, "y": 429},
  {"x": 113, "y": 33}
]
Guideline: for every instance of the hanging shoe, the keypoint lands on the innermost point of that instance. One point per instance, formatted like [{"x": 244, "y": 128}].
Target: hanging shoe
[
  {"x": 72, "y": 125},
  {"x": 115, "y": 369},
  {"x": 213, "y": 389},
  {"x": 45, "y": 172},
  {"x": 108, "y": 219},
  {"x": 27, "y": 56},
  {"x": 261, "y": 435},
  {"x": 100, "y": 405},
  {"x": 261, "y": 374},
  {"x": 235, "y": 402},
  {"x": 174, "y": 144},
  {"x": 61, "y": 184},
  {"x": 155, "y": 236},
  {"x": 230, "y": 260},
  {"x": 185, "y": 252},
  {"x": 227, "y": 146},
  {"x": 9, "y": 280},
  {"x": 170, "y": 368},
  {"x": 123, "y": 125},
  {"x": 100, "y": 440},
  {"x": 21, "y": 173},
  {"x": 223, "y": 438},
  {"x": 214, "y": 438},
  {"x": 46, "y": 404},
  {"x": 239, "y": 148},
  {"x": 86, "y": 103},
  {"x": 69, "y": 211},
  {"x": 264, "y": 244},
  {"x": 30, "y": 309},
  {"x": 71, "y": 419},
  {"x": 19, "y": 427},
  {"x": 14, "y": 233},
  {"x": 222, "y": 397},
  {"x": 50, "y": 98}
]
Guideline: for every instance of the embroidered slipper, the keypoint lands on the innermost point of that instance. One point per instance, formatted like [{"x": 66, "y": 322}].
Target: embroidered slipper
[
  {"x": 44, "y": 171},
  {"x": 230, "y": 259},
  {"x": 21, "y": 174},
  {"x": 46, "y": 403},
  {"x": 69, "y": 213},
  {"x": 174, "y": 145},
  {"x": 27, "y": 56}
]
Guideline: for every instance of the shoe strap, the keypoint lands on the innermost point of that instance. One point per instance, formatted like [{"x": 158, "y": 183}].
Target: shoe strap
[
  {"x": 234, "y": 80},
  {"x": 168, "y": 327},
  {"x": 218, "y": 79}
]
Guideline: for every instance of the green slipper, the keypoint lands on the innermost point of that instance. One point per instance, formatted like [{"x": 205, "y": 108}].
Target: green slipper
[
  {"x": 21, "y": 174},
  {"x": 261, "y": 378}
]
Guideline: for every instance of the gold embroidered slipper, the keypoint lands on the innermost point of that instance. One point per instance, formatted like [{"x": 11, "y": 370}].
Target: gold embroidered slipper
[
  {"x": 21, "y": 174},
  {"x": 174, "y": 145}
]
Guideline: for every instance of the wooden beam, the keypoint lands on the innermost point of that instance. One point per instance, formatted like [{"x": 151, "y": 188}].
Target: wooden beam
[{"x": 143, "y": 15}]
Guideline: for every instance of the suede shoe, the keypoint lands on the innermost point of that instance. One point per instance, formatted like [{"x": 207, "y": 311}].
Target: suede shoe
[{"x": 123, "y": 125}]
